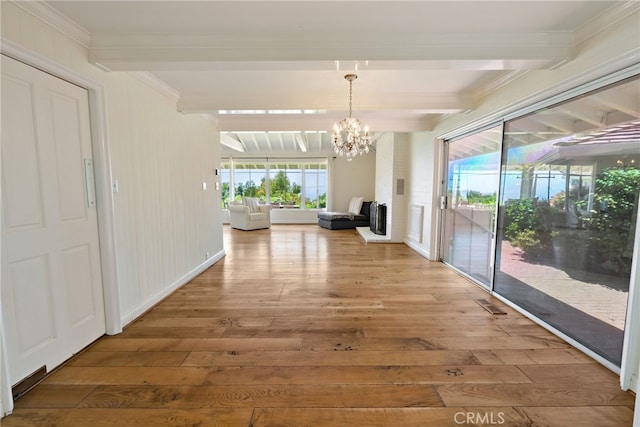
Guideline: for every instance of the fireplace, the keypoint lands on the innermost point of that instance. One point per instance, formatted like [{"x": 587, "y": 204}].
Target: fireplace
[{"x": 378, "y": 218}]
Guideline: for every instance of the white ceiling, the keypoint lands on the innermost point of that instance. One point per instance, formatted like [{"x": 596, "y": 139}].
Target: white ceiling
[{"x": 415, "y": 60}]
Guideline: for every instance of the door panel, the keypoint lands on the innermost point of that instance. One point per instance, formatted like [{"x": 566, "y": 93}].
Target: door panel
[
  {"x": 469, "y": 218},
  {"x": 23, "y": 205},
  {"x": 31, "y": 309},
  {"x": 568, "y": 206},
  {"x": 52, "y": 299},
  {"x": 69, "y": 159},
  {"x": 77, "y": 272}
]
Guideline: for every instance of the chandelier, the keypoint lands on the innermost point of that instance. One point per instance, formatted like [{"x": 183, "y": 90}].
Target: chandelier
[{"x": 349, "y": 139}]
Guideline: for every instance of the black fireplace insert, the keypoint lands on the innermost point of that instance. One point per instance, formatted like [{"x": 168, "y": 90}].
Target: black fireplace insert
[{"x": 378, "y": 218}]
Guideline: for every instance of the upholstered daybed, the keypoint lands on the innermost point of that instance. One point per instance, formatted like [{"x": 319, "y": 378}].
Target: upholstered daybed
[{"x": 344, "y": 220}]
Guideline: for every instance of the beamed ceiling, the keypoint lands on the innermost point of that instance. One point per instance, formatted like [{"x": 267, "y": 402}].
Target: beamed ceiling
[{"x": 416, "y": 61}]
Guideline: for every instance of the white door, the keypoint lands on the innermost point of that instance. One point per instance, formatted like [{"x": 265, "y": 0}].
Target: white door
[{"x": 52, "y": 302}]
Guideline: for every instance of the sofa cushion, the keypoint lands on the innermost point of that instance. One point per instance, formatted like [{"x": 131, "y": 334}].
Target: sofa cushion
[
  {"x": 336, "y": 216},
  {"x": 341, "y": 224},
  {"x": 365, "y": 209},
  {"x": 257, "y": 216},
  {"x": 355, "y": 205}
]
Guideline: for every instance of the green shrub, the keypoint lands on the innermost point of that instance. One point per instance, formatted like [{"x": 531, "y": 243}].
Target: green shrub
[
  {"x": 478, "y": 198},
  {"x": 611, "y": 224},
  {"x": 527, "y": 240},
  {"x": 520, "y": 215}
]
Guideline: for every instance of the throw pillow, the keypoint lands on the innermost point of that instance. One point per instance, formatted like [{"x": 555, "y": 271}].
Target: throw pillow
[
  {"x": 252, "y": 204},
  {"x": 355, "y": 205}
]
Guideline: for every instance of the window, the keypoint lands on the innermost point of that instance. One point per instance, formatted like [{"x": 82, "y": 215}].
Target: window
[
  {"x": 250, "y": 181},
  {"x": 315, "y": 186},
  {"x": 283, "y": 184},
  {"x": 225, "y": 182}
]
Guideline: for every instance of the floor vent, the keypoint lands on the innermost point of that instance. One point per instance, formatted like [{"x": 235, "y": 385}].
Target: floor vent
[
  {"x": 28, "y": 383},
  {"x": 490, "y": 307}
]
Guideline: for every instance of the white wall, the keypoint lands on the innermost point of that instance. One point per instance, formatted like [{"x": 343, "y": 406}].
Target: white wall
[
  {"x": 384, "y": 172},
  {"x": 392, "y": 164},
  {"x": 397, "y": 222},
  {"x": 422, "y": 190},
  {"x": 6, "y": 401},
  {"x": 164, "y": 221},
  {"x": 349, "y": 179}
]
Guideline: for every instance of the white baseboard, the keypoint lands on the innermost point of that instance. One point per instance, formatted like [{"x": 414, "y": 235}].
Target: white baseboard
[
  {"x": 154, "y": 299},
  {"x": 297, "y": 221},
  {"x": 418, "y": 249}
]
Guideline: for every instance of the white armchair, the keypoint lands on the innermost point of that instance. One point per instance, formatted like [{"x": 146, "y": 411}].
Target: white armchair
[{"x": 249, "y": 215}]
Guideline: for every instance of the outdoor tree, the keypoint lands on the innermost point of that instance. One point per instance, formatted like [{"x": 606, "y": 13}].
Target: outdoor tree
[
  {"x": 248, "y": 189},
  {"x": 283, "y": 190},
  {"x": 225, "y": 194},
  {"x": 611, "y": 224}
]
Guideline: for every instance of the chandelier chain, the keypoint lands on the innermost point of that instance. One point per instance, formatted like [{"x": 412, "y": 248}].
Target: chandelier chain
[{"x": 350, "y": 96}]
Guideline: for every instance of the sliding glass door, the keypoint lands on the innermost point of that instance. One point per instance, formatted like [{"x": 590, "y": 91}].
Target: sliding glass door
[
  {"x": 568, "y": 206},
  {"x": 473, "y": 173},
  {"x": 568, "y": 181}
]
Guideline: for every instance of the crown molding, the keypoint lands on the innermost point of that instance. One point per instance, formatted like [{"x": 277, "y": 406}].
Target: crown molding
[
  {"x": 210, "y": 118},
  {"x": 56, "y": 20},
  {"x": 497, "y": 84},
  {"x": 606, "y": 20},
  {"x": 155, "y": 83}
]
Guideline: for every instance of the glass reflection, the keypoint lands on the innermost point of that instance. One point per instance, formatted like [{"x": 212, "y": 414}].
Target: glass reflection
[{"x": 568, "y": 207}]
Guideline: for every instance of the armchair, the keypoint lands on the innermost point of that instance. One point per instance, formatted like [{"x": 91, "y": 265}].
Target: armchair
[{"x": 249, "y": 215}]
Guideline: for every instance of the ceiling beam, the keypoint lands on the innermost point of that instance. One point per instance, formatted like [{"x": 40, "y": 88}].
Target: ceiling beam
[
  {"x": 232, "y": 143},
  {"x": 626, "y": 102},
  {"x": 335, "y": 109},
  {"x": 302, "y": 144},
  {"x": 124, "y": 51}
]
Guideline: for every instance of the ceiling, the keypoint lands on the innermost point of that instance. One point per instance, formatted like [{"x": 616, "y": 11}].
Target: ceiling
[{"x": 416, "y": 61}]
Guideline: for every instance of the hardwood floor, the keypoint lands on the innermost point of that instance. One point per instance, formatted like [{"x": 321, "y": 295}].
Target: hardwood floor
[{"x": 302, "y": 326}]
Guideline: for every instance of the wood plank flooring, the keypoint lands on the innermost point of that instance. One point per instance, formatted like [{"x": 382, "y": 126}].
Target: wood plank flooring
[{"x": 302, "y": 326}]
